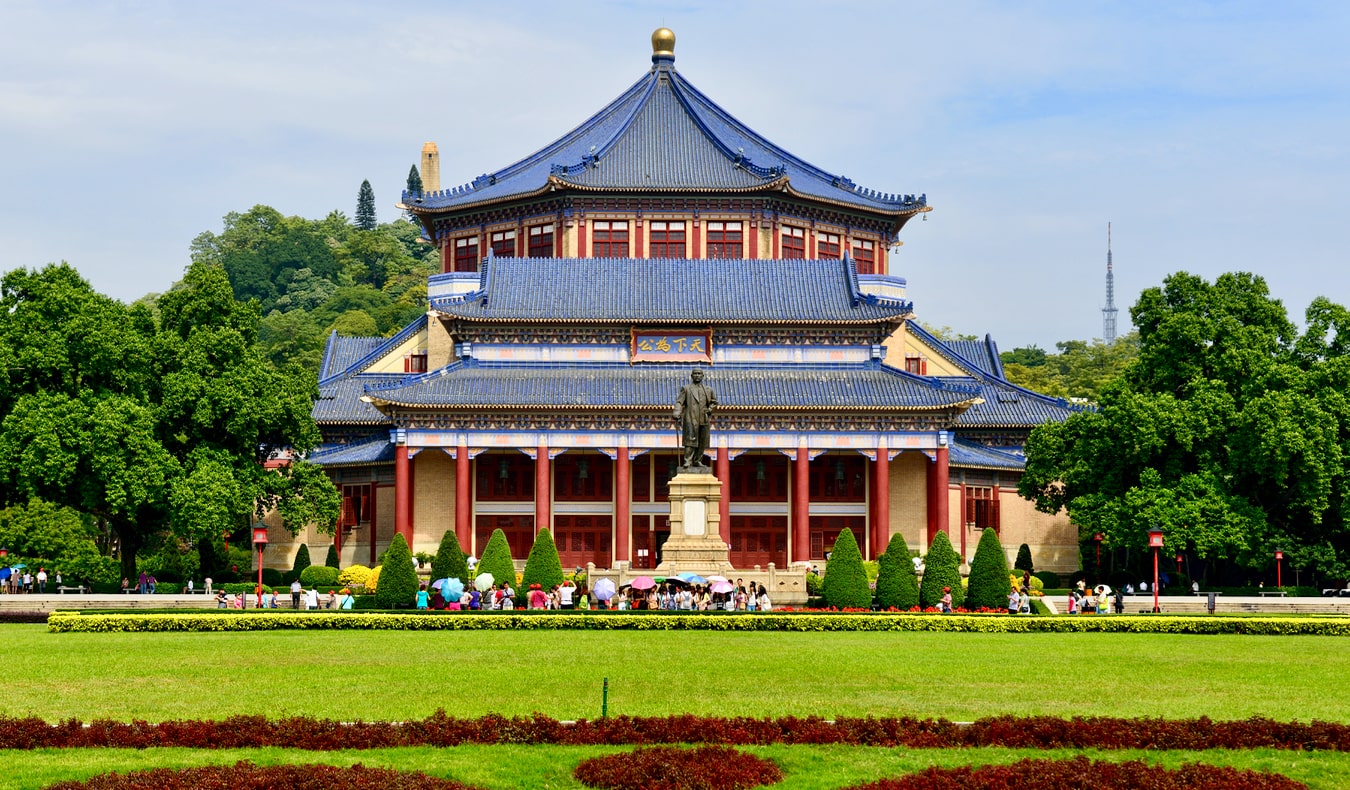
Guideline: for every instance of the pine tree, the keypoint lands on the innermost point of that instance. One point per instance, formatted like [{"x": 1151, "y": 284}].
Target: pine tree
[
  {"x": 897, "y": 586},
  {"x": 989, "y": 582},
  {"x": 496, "y": 559},
  {"x": 332, "y": 560},
  {"x": 542, "y": 567},
  {"x": 942, "y": 568},
  {"x": 845, "y": 579},
  {"x": 414, "y": 181},
  {"x": 449, "y": 562},
  {"x": 1023, "y": 562},
  {"x": 398, "y": 577},
  {"x": 365, "y": 207}
]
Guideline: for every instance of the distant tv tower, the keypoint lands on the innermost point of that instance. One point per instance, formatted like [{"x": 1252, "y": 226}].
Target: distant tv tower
[{"x": 1109, "y": 312}]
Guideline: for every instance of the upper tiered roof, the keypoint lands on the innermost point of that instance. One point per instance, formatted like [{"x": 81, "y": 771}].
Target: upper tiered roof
[{"x": 662, "y": 135}]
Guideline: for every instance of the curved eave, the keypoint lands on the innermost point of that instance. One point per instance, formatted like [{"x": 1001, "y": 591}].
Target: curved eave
[
  {"x": 381, "y": 403},
  {"x": 440, "y": 312},
  {"x": 353, "y": 421},
  {"x": 778, "y": 184},
  {"x": 987, "y": 467}
]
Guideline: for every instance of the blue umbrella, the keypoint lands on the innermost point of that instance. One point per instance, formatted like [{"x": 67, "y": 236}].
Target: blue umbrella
[
  {"x": 436, "y": 585},
  {"x": 18, "y": 566},
  {"x": 452, "y": 589},
  {"x": 5, "y": 573},
  {"x": 693, "y": 578}
]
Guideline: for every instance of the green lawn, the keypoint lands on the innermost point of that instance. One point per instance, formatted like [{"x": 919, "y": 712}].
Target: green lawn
[
  {"x": 533, "y": 767},
  {"x": 401, "y": 675}
]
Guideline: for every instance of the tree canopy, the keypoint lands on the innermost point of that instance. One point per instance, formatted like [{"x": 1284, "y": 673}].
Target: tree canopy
[
  {"x": 1080, "y": 370},
  {"x": 1230, "y": 431}
]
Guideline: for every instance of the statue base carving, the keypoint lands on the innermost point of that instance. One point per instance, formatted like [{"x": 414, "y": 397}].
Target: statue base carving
[{"x": 695, "y": 543}]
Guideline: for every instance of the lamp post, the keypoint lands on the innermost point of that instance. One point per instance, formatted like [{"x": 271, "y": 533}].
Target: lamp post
[
  {"x": 260, "y": 543},
  {"x": 4, "y": 553},
  {"x": 1155, "y": 542},
  {"x": 1279, "y": 555},
  {"x": 1098, "y": 538}
]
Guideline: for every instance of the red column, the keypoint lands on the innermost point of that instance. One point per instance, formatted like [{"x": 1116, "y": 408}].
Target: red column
[
  {"x": 623, "y": 522},
  {"x": 581, "y": 237},
  {"x": 752, "y": 239},
  {"x": 638, "y": 243},
  {"x": 801, "y": 506},
  {"x": 777, "y": 230},
  {"x": 541, "y": 490},
  {"x": 941, "y": 520},
  {"x": 962, "y": 518},
  {"x": 403, "y": 492},
  {"x": 374, "y": 519},
  {"x": 463, "y": 499},
  {"x": 881, "y": 501},
  {"x": 724, "y": 506},
  {"x": 696, "y": 240}
]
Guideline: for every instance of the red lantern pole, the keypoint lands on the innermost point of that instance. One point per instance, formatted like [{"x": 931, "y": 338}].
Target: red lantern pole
[
  {"x": 1155, "y": 540},
  {"x": 260, "y": 542},
  {"x": 1279, "y": 555},
  {"x": 1098, "y": 540}
]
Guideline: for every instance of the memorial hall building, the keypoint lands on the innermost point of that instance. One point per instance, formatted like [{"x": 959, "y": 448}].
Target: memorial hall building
[{"x": 582, "y": 284}]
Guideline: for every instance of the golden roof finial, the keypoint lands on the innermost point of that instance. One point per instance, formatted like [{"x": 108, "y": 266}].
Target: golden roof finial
[{"x": 663, "y": 42}]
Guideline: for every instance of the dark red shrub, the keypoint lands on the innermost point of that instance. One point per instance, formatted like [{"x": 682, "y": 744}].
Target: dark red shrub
[
  {"x": 247, "y": 776},
  {"x": 669, "y": 768},
  {"x": 1080, "y": 773}
]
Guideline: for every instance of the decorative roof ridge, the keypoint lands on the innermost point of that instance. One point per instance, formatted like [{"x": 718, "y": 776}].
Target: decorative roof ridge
[
  {"x": 383, "y": 348},
  {"x": 328, "y": 352},
  {"x": 592, "y": 157},
  {"x": 995, "y": 360},
  {"x": 975, "y": 371},
  {"x": 993, "y": 380},
  {"x": 417, "y": 378}
]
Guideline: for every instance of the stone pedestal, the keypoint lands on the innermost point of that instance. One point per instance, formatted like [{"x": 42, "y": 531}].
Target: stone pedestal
[{"x": 695, "y": 542}]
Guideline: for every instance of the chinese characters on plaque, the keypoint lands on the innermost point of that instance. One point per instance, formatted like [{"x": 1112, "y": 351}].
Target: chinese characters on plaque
[{"x": 671, "y": 346}]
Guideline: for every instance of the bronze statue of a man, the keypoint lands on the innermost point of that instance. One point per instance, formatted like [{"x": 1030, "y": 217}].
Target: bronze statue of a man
[{"x": 693, "y": 409}]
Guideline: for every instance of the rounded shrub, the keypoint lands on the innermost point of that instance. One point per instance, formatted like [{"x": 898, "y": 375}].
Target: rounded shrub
[
  {"x": 989, "y": 578},
  {"x": 450, "y": 559},
  {"x": 373, "y": 580},
  {"x": 897, "y": 586},
  {"x": 942, "y": 568},
  {"x": 272, "y": 577},
  {"x": 398, "y": 579},
  {"x": 496, "y": 560},
  {"x": 319, "y": 576},
  {"x": 1049, "y": 579},
  {"x": 354, "y": 575},
  {"x": 845, "y": 579},
  {"x": 542, "y": 567}
]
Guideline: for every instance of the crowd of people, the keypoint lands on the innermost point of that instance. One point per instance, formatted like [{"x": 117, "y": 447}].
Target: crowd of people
[
  {"x": 21, "y": 580},
  {"x": 667, "y": 596}
]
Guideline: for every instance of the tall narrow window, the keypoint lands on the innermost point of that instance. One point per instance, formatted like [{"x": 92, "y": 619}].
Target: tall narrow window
[
  {"x": 827, "y": 246},
  {"x": 794, "y": 242},
  {"x": 865, "y": 256},
  {"x": 725, "y": 240},
  {"x": 415, "y": 363},
  {"x": 609, "y": 238},
  {"x": 981, "y": 508},
  {"x": 916, "y": 365},
  {"x": 667, "y": 239},
  {"x": 504, "y": 243},
  {"x": 541, "y": 241},
  {"x": 466, "y": 254}
]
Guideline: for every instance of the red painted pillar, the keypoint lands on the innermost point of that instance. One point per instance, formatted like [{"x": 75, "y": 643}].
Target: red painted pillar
[
  {"x": 639, "y": 247},
  {"x": 403, "y": 492},
  {"x": 623, "y": 522},
  {"x": 801, "y": 506},
  {"x": 374, "y": 519},
  {"x": 696, "y": 240},
  {"x": 940, "y": 484},
  {"x": 581, "y": 237},
  {"x": 724, "y": 506},
  {"x": 962, "y": 518},
  {"x": 881, "y": 501},
  {"x": 752, "y": 239},
  {"x": 463, "y": 499},
  {"x": 541, "y": 490}
]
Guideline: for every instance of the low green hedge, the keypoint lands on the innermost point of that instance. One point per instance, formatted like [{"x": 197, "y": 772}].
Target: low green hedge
[{"x": 67, "y": 622}]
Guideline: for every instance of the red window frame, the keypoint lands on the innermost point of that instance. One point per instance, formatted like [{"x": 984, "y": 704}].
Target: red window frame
[
  {"x": 759, "y": 477},
  {"x": 725, "y": 240},
  {"x": 466, "y": 254},
  {"x": 758, "y": 540},
  {"x": 415, "y": 363},
  {"x": 794, "y": 242},
  {"x": 519, "y": 531},
  {"x": 982, "y": 508},
  {"x": 838, "y": 477},
  {"x": 356, "y": 505},
  {"x": 503, "y": 243},
  {"x": 828, "y": 246},
  {"x": 583, "y": 477},
  {"x": 609, "y": 238},
  {"x": 666, "y": 239},
  {"x": 865, "y": 256},
  {"x": 504, "y": 477},
  {"x": 583, "y": 539},
  {"x": 916, "y": 365},
  {"x": 541, "y": 241},
  {"x": 825, "y": 530}
]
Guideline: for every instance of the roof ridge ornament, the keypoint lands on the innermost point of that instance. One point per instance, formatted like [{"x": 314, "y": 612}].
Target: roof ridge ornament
[{"x": 663, "y": 48}]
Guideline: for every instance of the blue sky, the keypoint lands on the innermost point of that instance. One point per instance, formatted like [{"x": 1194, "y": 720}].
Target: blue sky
[{"x": 1212, "y": 135}]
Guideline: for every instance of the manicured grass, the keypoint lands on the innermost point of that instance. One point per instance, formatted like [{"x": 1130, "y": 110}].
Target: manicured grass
[
  {"x": 529, "y": 767},
  {"x": 402, "y": 675}
]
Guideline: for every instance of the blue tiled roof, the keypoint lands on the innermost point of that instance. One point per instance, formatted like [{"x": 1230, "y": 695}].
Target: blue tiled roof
[
  {"x": 599, "y": 385},
  {"x": 983, "y": 354},
  {"x": 1010, "y": 406},
  {"x": 372, "y": 451},
  {"x": 342, "y": 352},
  {"x": 667, "y": 291},
  {"x": 971, "y": 455},
  {"x": 339, "y": 401},
  {"x": 663, "y": 135}
]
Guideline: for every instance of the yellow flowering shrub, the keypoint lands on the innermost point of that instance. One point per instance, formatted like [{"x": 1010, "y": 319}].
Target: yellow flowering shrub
[
  {"x": 373, "y": 580},
  {"x": 354, "y": 575}
]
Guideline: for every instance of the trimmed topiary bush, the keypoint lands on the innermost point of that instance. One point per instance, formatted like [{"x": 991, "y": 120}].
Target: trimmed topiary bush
[
  {"x": 897, "y": 586},
  {"x": 398, "y": 577},
  {"x": 450, "y": 559},
  {"x": 319, "y": 576},
  {"x": 989, "y": 579},
  {"x": 354, "y": 575},
  {"x": 373, "y": 580},
  {"x": 1050, "y": 579},
  {"x": 332, "y": 560},
  {"x": 302, "y": 561},
  {"x": 942, "y": 568},
  {"x": 845, "y": 580},
  {"x": 496, "y": 560},
  {"x": 542, "y": 567},
  {"x": 1023, "y": 562}
]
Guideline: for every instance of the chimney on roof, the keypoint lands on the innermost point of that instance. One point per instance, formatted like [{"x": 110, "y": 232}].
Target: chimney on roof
[{"x": 431, "y": 168}]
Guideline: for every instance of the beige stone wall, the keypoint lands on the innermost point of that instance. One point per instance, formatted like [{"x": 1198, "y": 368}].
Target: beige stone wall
[
  {"x": 440, "y": 346},
  {"x": 909, "y": 499},
  {"x": 1053, "y": 539},
  {"x": 433, "y": 499},
  {"x": 900, "y": 344}
]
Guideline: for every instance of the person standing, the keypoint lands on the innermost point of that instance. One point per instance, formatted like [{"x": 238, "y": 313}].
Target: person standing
[
  {"x": 42, "y": 581},
  {"x": 423, "y": 600},
  {"x": 946, "y": 603},
  {"x": 312, "y": 598},
  {"x": 208, "y": 585},
  {"x": 296, "y": 589}
]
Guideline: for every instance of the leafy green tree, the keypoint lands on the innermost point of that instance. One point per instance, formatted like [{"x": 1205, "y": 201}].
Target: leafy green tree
[
  {"x": 398, "y": 576},
  {"x": 989, "y": 579},
  {"x": 332, "y": 560},
  {"x": 542, "y": 567},
  {"x": 845, "y": 579},
  {"x": 1080, "y": 370},
  {"x": 414, "y": 181},
  {"x": 291, "y": 339},
  {"x": 942, "y": 568},
  {"x": 450, "y": 559},
  {"x": 1026, "y": 356},
  {"x": 496, "y": 559},
  {"x": 1023, "y": 562},
  {"x": 59, "y": 538},
  {"x": 356, "y": 323},
  {"x": 365, "y": 208},
  {"x": 897, "y": 586}
]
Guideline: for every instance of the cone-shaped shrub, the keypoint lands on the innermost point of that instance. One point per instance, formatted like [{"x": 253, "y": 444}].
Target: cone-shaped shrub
[
  {"x": 989, "y": 582},
  {"x": 496, "y": 560},
  {"x": 450, "y": 560},
  {"x": 845, "y": 579},
  {"x": 302, "y": 561},
  {"x": 398, "y": 578},
  {"x": 332, "y": 559},
  {"x": 897, "y": 586},
  {"x": 942, "y": 568},
  {"x": 1023, "y": 562},
  {"x": 543, "y": 566}
]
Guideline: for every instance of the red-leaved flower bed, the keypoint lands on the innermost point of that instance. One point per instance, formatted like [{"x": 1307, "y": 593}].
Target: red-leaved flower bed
[
  {"x": 1080, "y": 773},
  {"x": 247, "y": 776},
  {"x": 669, "y": 768},
  {"x": 441, "y": 730}
]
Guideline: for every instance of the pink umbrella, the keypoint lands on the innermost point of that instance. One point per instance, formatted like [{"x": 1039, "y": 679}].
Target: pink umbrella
[
  {"x": 643, "y": 583},
  {"x": 722, "y": 587}
]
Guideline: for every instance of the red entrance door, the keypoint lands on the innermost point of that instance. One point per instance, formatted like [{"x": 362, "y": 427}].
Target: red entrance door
[
  {"x": 582, "y": 539},
  {"x": 758, "y": 540},
  {"x": 519, "y": 531}
]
